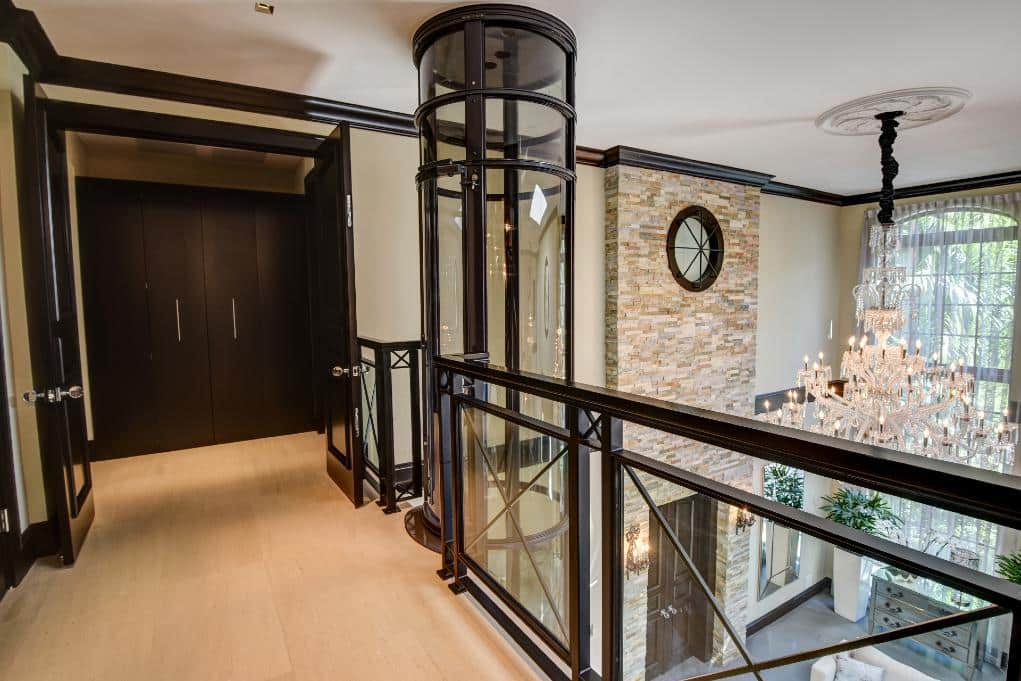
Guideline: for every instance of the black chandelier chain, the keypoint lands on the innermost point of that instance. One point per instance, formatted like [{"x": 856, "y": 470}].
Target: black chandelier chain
[{"x": 887, "y": 136}]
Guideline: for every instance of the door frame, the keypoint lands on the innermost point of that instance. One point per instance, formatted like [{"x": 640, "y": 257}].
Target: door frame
[{"x": 61, "y": 117}]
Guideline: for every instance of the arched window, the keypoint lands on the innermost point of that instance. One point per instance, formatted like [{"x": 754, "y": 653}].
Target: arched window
[
  {"x": 963, "y": 257},
  {"x": 964, "y": 262}
]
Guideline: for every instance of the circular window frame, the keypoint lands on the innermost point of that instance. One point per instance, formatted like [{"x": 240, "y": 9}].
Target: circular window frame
[{"x": 714, "y": 241}]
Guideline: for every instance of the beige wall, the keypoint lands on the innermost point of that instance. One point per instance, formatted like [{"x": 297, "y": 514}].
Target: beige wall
[
  {"x": 799, "y": 294},
  {"x": 590, "y": 276},
  {"x": 387, "y": 278}
]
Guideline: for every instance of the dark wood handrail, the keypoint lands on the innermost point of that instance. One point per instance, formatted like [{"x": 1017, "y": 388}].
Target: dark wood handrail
[{"x": 975, "y": 492}]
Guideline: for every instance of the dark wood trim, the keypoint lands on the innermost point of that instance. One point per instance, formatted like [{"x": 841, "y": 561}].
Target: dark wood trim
[
  {"x": 523, "y": 640},
  {"x": 21, "y": 29},
  {"x": 642, "y": 158},
  {"x": 129, "y": 80},
  {"x": 108, "y": 120},
  {"x": 950, "y": 485},
  {"x": 943, "y": 187},
  {"x": 788, "y": 606},
  {"x": 590, "y": 156},
  {"x": 37, "y": 541},
  {"x": 793, "y": 191}
]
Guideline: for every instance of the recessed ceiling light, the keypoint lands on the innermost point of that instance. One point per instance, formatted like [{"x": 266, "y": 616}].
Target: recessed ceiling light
[{"x": 264, "y": 7}]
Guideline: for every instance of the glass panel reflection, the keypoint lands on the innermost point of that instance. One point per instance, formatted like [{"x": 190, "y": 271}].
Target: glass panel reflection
[
  {"x": 442, "y": 67},
  {"x": 682, "y": 576},
  {"x": 517, "y": 58},
  {"x": 443, "y": 133},
  {"x": 450, "y": 234},
  {"x": 527, "y": 209},
  {"x": 525, "y": 130},
  {"x": 515, "y": 513}
]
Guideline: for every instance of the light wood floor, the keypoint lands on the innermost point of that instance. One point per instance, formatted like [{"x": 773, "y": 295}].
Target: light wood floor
[{"x": 244, "y": 562}]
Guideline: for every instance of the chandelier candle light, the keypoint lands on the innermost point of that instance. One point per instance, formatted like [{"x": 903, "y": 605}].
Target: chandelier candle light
[{"x": 895, "y": 396}]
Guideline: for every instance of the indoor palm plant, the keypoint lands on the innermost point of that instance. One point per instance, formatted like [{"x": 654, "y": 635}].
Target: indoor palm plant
[
  {"x": 784, "y": 484},
  {"x": 1009, "y": 567},
  {"x": 868, "y": 512}
]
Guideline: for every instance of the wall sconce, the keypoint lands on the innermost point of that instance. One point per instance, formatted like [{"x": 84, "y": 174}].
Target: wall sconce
[
  {"x": 636, "y": 556},
  {"x": 743, "y": 521}
]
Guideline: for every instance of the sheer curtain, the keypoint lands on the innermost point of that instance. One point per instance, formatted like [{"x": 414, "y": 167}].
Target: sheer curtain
[{"x": 962, "y": 253}]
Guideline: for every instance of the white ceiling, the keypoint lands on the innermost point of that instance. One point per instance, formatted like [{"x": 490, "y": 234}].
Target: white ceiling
[{"x": 737, "y": 82}]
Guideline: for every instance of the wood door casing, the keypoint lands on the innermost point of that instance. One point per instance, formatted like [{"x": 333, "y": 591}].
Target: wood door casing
[{"x": 687, "y": 631}]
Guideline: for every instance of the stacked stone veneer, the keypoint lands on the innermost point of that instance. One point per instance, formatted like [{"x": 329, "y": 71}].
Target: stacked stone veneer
[{"x": 695, "y": 348}]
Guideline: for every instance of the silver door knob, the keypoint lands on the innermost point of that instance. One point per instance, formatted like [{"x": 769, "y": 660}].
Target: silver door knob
[
  {"x": 338, "y": 371},
  {"x": 664, "y": 613},
  {"x": 75, "y": 392}
]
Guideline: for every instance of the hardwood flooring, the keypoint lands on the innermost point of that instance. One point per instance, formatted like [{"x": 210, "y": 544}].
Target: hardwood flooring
[{"x": 243, "y": 562}]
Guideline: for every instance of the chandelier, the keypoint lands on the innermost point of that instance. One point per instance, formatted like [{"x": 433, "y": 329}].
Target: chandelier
[{"x": 888, "y": 394}]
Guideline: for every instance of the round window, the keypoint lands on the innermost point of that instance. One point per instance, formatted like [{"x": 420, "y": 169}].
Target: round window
[{"x": 694, "y": 248}]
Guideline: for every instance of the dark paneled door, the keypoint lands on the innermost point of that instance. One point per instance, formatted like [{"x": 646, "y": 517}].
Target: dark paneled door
[
  {"x": 113, "y": 269},
  {"x": 680, "y": 621},
  {"x": 47, "y": 258},
  {"x": 284, "y": 303},
  {"x": 329, "y": 186},
  {"x": 172, "y": 227},
  {"x": 232, "y": 311}
]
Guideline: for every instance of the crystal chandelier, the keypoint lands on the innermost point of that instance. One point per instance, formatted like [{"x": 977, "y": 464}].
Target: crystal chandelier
[{"x": 888, "y": 394}]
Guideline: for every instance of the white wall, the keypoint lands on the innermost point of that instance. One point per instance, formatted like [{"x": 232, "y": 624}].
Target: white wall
[
  {"x": 800, "y": 291},
  {"x": 816, "y": 555}
]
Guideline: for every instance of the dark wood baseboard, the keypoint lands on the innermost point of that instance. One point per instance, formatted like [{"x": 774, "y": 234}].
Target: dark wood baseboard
[
  {"x": 776, "y": 613},
  {"x": 37, "y": 541}
]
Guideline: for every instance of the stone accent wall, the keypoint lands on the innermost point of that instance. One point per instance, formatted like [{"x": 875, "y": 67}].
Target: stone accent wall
[{"x": 694, "y": 348}]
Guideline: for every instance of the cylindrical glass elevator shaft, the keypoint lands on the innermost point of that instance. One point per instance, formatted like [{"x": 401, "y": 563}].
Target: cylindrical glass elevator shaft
[{"x": 496, "y": 122}]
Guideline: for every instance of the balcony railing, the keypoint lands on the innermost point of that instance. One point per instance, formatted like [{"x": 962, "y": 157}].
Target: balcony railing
[
  {"x": 392, "y": 428},
  {"x": 618, "y": 536}
]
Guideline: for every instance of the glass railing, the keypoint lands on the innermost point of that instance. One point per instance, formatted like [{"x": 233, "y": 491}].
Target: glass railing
[
  {"x": 636, "y": 539},
  {"x": 391, "y": 419}
]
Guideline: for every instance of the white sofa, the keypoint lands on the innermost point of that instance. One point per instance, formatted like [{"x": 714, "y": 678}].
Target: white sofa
[{"x": 825, "y": 668}]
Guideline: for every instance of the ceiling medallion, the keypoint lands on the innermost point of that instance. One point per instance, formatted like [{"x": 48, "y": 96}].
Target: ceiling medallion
[{"x": 920, "y": 106}]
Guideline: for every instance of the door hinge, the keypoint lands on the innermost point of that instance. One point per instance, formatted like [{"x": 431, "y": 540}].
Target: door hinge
[
  {"x": 5, "y": 521},
  {"x": 350, "y": 213},
  {"x": 358, "y": 421}
]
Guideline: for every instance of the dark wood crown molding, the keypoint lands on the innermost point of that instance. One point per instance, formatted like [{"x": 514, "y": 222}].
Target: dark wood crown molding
[
  {"x": 793, "y": 191},
  {"x": 944, "y": 187},
  {"x": 22, "y": 31},
  {"x": 642, "y": 158}
]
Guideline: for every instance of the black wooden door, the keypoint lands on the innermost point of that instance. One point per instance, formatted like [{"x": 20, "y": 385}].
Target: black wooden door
[
  {"x": 48, "y": 265},
  {"x": 330, "y": 187},
  {"x": 680, "y": 622},
  {"x": 112, "y": 251},
  {"x": 232, "y": 311},
  {"x": 286, "y": 366},
  {"x": 177, "y": 316}
]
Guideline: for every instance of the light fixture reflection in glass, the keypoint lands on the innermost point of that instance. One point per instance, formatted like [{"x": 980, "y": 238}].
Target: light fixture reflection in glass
[{"x": 539, "y": 205}]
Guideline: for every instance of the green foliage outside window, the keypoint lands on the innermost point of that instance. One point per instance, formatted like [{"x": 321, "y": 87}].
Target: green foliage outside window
[{"x": 861, "y": 510}]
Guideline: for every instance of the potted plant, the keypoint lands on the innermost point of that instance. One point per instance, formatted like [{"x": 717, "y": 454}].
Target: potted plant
[
  {"x": 867, "y": 512},
  {"x": 784, "y": 484},
  {"x": 1009, "y": 567}
]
